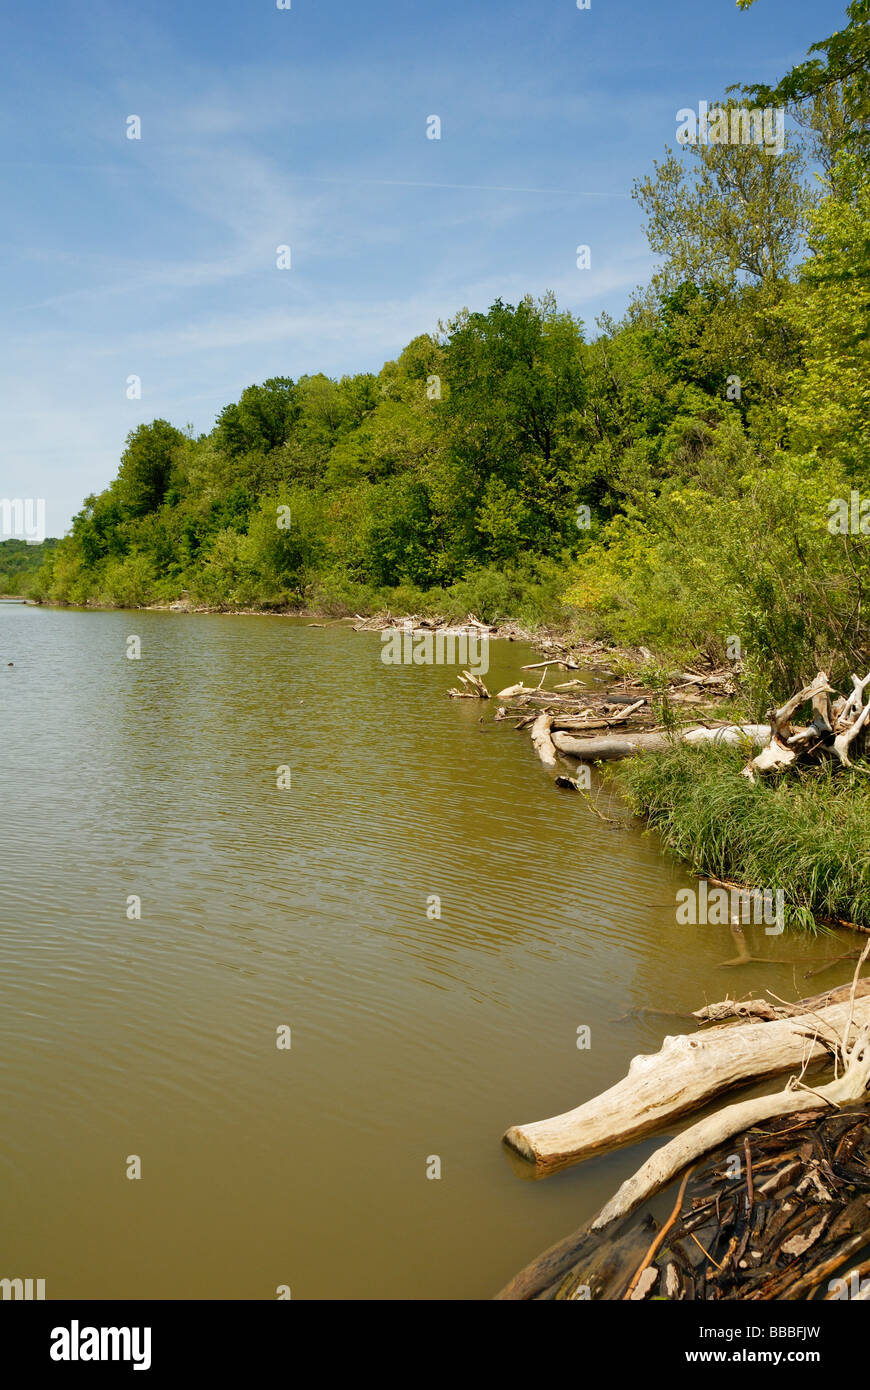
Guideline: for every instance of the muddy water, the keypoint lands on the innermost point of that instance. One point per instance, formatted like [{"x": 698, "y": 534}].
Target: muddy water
[{"x": 413, "y": 1037}]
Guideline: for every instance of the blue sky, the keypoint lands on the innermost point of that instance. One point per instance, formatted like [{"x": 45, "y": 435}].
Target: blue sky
[{"x": 307, "y": 127}]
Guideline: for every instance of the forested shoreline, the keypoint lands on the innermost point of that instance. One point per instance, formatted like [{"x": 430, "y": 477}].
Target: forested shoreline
[
  {"x": 597, "y": 595},
  {"x": 691, "y": 477}
]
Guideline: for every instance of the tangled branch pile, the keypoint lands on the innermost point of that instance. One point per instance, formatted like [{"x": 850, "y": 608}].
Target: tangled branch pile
[
  {"x": 782, "y": 1215},
  {"x": 831, "y": 734}
]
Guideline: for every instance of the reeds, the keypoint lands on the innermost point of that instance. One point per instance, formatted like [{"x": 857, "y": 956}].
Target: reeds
[{"x": 808, "y": 835}]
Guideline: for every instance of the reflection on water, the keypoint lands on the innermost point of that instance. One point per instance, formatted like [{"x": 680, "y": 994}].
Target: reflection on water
[{"x": 412, "y": 1035}]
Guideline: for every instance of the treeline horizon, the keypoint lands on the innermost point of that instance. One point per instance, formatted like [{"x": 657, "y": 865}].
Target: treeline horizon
[{"x": 665, "y": 479}]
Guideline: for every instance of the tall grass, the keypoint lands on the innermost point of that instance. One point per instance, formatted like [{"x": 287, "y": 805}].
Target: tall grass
[{"x": 807, "y": 833}]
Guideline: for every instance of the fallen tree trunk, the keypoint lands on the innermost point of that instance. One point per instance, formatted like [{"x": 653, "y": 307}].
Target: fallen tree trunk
[
  {"x": 609, "y": 749},
  {"x": 849, "y": 1087},
  {"x": 542, "y": 741},
  {"x": 762, "y": 1008},
  {"x": 672, "y": 1158},
  {"x": 688, "y": 1071},
  {"x": 848, "y": 1027},
  {"x": 629, "y": 745}
]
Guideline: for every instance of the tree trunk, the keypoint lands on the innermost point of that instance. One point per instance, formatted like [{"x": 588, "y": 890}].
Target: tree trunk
[
  {"x": 542, "y": 740},
  {"x": 688, "y": 1071},
  {"x": 606, "y": 749}
]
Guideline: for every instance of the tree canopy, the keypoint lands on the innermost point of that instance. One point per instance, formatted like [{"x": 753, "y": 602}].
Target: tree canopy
[{"x": 666, "y": 479}]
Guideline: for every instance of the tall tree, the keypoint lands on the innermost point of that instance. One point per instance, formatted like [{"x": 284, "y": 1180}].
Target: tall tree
[
  {"x": 146, "y": 466},
  {"x": 845, "y": 64},
  {"x": 725, "y": 212},
  {"x": 515, "y": 377}
]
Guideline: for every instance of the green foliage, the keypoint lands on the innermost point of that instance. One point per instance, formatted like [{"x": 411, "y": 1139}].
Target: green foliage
[
  {"x": 20, "y": 562},
  {"x": 725, "y": 212},
  {"x": 667, "y": 483},
  {"x": 260, "y": 421},
  {"x": 845, "y": 65},
  {"x": 512, "y": 423},
  {"x": 829, "y": 411},
  {"x": 146, "y": 466},
  {"x": 719, "y": 501},
  {"x": 128, "y": 583}
]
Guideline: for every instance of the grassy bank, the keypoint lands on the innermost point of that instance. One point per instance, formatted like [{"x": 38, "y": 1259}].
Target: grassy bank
[{"x": 808, "y": 834}]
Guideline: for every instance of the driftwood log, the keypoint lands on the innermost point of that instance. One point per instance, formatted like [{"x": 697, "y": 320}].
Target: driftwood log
[
  {"x": 851, "y": 1056},
  {"x": 831, "y": 734},
  {"x": 473, "y": 688},
  {"x": 843, "y": 1029},
  {"x": 688, "y": 1071},
  {"x": 542, "y": 740},
  {"x": 836, "y": 731},
  {"x": 594, "y": 750}
]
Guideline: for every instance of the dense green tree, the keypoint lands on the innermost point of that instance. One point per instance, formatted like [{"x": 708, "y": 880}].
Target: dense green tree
[
  {"x": 516, "y": 385},
  {"x": 146, "y": 466},
  {"x": 829, "y": 410},
  {"x": 844, "y": 66},
  {"x": 260, "y": 420},
  {"x": 725, "y": 212}
]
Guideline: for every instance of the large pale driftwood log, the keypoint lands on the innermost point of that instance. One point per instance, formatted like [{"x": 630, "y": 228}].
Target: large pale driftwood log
[
  {"x": 608, "y": 749},
  {"x": 688, "y": 1071},
  {"x": 707, "y": 1134},
  {"x": 780, "y": 751},
  {"x": 847, "y": 1088},
  {"x": 542, "y": 741}
]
